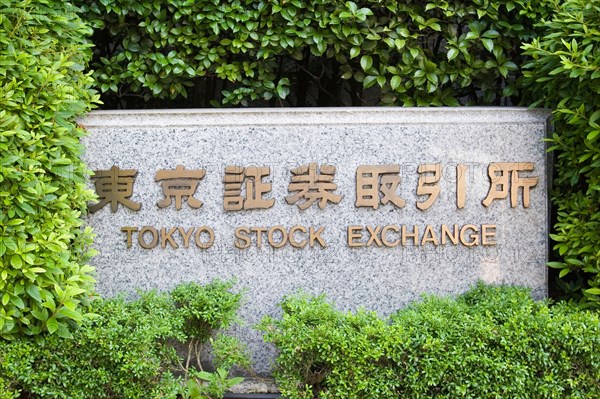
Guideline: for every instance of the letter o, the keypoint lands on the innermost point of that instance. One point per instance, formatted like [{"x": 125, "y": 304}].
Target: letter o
[
  {"x": 284, "y": 236},
  {"x": 211, "y": 237},
  {"x": 151, "y": 230}
]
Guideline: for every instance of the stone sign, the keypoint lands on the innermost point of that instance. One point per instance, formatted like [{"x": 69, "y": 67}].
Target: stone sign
[{"x": 371, "y": 206}]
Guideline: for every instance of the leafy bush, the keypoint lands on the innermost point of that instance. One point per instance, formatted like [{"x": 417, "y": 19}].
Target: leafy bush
[
  {"x": 489, "y": 342},
  {"x": 323, "y": 53},
  {"x": 126, "y": 351},
  {"x": 44, "y": 281},
  {"x": 564, "y": 74}
]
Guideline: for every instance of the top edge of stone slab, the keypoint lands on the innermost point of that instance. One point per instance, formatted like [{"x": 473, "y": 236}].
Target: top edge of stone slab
[{"x": 160, "y": 118}]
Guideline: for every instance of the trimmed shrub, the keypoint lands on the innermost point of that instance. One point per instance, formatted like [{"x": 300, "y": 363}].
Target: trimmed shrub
[
  {"x": 299, "y": 52},
  {"x": 491, "y": 342},
  {"x": 127, "y": 350},
  {"x": 565, "y": 75},
  {"x": 44, "y": 281}
]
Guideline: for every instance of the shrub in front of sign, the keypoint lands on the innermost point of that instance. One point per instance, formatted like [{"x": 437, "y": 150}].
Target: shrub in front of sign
[
  {"x": 564, "y": 74},
  {"x": 488, "y": 342},
  {"x": 127, "y": 350},
  {"x": 44, "y": 281},
  {"x": 302, "y": 53}
]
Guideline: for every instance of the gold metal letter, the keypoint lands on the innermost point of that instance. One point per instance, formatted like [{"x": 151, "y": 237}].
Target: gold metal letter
[
  {"x": 427, "y": 185},
  {"x": 373, "y": 179},
  {"x": 452, "y": 236},
  {"x": 186, "y": 235},
  {"x": 129, "y": 231},
  {"x": 153, "y": 242},
  {"x": 429, "y": 236},
  {"x": 114, "y": 186},
  {"x": 384, "y": 236},
  {"x": 354, "y": 232},
  {"x": 316, "y": 236},
  {"x": 294, "y": 243},
  {"x": 309, "y": 186},
  {"x": 474, "y": 236},
  {"x": 211, "y": 237},
  {"x": 167, "y": 236},
  {"x": 179, "y": 183},
  {"x": 414, "y": 235},
  {"x": 501, "y": 173},
  {"x": 258, "y": 231},
  {"x": 255, "y": 188},
  {"x": 461, "y": 183},
  {"x": 284, "y": 236},
  {"x": 488, "y": 230},
  {"x": 243, "y": 241},
  {"x": 374, "y": 236}
]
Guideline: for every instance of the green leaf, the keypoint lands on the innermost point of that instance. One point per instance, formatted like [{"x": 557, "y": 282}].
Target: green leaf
[
  {"x": 16, "y": 261},
  {"x": 452, "y": 53},
  {"x": 488, "y": 44},
  {"x": 34, "y": 292},
  {"x": 366, "y": 62},
  {"x": 68, "y": 313},
  {"x": 234, "y": 381},
  {"x": 471, "y": 36},
  {"x": 369, "y": 81},
  {"x": 18, "y": 302},
  {"x": 52, "y": 325},
  {"x": 206, "y": 376},
  {"x": 395, "y": 82},
  {"x": 593, "y": 134}
]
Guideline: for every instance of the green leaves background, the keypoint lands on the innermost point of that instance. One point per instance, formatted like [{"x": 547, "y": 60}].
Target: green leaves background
[
  {"x": 302, "y": 52},
  {"x": 44, "y": 280}
]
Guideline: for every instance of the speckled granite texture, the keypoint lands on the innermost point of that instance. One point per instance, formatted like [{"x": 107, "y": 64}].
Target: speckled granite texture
[{"x": 379, "y": 278}]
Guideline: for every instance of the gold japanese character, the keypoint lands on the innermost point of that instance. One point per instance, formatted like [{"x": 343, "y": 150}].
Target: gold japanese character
[
  {"x": 114, "y": 186},
  {"x": 255, "y": 188},
  {"x": 505, "y": 174},
  {"x": 179, "y": 183},
  {"x": 310, "y": 185},
  {"x": 374, "y": 179},
  {"x": 428, "y": 184},
  {"x": 461, "y": 185}
]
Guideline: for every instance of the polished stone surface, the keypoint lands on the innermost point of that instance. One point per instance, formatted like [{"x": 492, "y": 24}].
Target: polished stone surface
[{"x": 379, "y": 278}]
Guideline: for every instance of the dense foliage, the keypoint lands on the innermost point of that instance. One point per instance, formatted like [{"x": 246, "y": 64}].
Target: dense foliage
[
  {"x": 43, "y": 277},
  {"x": 565, "y": 75},
  {"x": 306, "y": 52},
  {"x": 492, "y": 342},
  {"x": 128, "y": 350}
]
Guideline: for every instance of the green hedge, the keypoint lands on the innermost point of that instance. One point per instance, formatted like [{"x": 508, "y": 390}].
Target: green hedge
[
  {"x": 127, "y": 350},
  {"x": 491, "y": 342},
  {"x": 43, "y": 87},
  {"x": 564, "y": 74},
  {"x": 307, "y": 52}
]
